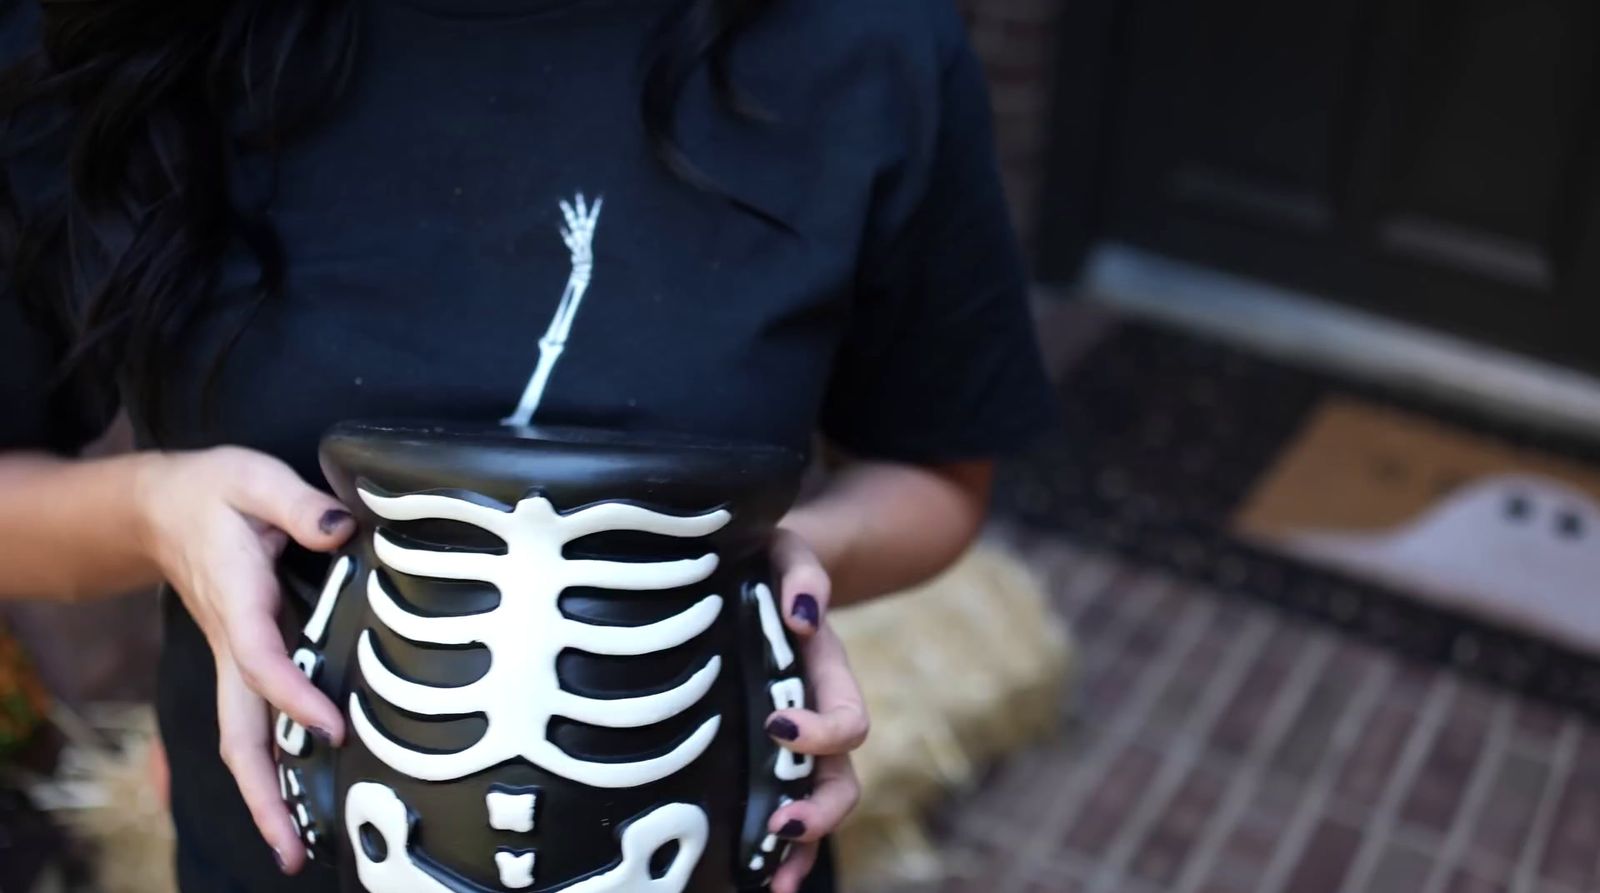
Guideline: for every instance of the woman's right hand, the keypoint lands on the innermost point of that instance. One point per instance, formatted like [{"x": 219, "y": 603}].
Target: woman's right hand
[{"x": 214, "y": 522}]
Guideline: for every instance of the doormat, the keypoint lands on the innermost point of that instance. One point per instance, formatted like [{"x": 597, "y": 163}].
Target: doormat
[
  {"x": 1333, "y": 499},
  {"x": 1469, "y": 522}
]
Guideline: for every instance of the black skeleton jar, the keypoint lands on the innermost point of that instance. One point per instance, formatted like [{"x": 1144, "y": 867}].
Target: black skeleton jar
[{"x": 555, "y": 650}]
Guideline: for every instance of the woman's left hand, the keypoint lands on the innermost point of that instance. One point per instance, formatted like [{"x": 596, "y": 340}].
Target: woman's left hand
[{"x": 836, "y": 727}]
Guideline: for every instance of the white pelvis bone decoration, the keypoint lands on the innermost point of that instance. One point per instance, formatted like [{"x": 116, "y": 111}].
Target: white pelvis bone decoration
[
  {"x": 521, "y": 691},
  {"x": 398, "y": 871}
]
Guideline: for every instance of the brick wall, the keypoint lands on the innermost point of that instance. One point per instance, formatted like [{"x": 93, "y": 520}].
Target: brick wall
[
  {"x": 1220, "y": 744},
  {"x": 1017, "y": 42}
]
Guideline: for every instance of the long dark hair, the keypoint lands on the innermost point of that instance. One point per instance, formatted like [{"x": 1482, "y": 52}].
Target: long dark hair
[{"x": 154, "y": 101}]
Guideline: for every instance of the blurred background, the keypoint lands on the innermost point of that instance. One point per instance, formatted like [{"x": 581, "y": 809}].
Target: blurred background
[{"x": 1305, "y": 594}]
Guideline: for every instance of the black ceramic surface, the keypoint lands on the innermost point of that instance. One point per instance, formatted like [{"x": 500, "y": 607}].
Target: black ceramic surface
[{"x": 524, "y": 553}]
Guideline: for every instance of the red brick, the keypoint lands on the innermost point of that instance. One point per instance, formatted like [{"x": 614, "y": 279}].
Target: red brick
[
  {"x": 1196, "y": 670},
  {"x": 1586, "y": 766},
  {"x": 1357, "y": 654},
  {"x": 1241, "y": 719},
  {"x": 1112, "y": 802},
  {"x": 1107, "y": 688},
  {"x": 1052, "y": 882},
  {"x": 1311, "y": 732},
  {"x": 1145, "y": 602},
  {"x": 1441, "y": 781},
  {"x": 1539, "y": 720},
  {"x": 1153, "y": 626},
  {"x": 1097, "y": 612},
  {"x": 1022, "y": 791},
  {"x": 1062, "y": 575},
  {"x": 1248, "y": 849},
  {"x": 1476, "y": 697},
  {"x": 1400, "y": 869},
  {"x": 980, "y": 858},
  {"x": 1413, "y": 682},
  {"x": 1574, "y": 846},
  {"x": 1183, "y": 820},
  {"x": 1326, "y": 858},
  {"x": 1506, "y": 817},
  {"x": 1017, "y": 42},
  {"x": 1020, "y": 804},
  {"x": 1465, "y": 882},
  {"x": 969, "y": 883},
  {"x": 1368, "y": 769}
]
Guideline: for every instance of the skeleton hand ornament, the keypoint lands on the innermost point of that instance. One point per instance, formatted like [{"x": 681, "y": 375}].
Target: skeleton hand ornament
[{"x": 556, "y": 650}]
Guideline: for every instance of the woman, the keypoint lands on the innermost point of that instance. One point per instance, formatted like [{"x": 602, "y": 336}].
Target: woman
[{"x": 282, "y": 213}]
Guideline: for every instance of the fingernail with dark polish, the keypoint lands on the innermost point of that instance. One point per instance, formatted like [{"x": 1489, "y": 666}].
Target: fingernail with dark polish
[
  {"x": 333, "y": 519},
  {"x": 794, "y": 829},
  {"x": 806, "y": 610},
  {"x": 783, "y": 729},
  {"x": 278, "y": 858},
  {"x": 323, "y": 735}
]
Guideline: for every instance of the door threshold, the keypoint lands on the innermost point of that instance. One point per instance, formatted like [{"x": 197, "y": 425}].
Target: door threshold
[{"x": 1304, "y": 330}]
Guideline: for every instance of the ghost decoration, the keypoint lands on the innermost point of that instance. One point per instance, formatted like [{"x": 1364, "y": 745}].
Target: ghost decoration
[{"x": 1516, "y": 548}]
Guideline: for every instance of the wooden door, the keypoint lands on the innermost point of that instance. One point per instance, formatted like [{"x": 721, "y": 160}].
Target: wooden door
[{"x": 1434, "y": 160}]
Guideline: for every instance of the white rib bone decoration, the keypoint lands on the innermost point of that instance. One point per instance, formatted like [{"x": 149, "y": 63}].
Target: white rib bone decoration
[
  {"x": 581, "y": 222},
  {"x": 521, "y": 692},
  {"x": 642, "y": 838}
]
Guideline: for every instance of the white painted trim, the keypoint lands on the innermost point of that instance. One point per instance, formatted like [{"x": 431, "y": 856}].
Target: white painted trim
[{"x": 1307, "y": 331}]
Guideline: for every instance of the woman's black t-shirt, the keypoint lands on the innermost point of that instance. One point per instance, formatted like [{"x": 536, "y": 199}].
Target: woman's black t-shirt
[{"x": 423, "y": 228}]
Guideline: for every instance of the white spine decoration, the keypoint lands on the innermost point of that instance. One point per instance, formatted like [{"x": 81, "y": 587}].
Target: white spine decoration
[
  {"x": 516, "y": 869},
  {"x": 317, "y": 626},
  {"x": 772, "y": 627},
  {"x": 641, "y": 839},
  {"x": 290, "y": 735},
  {"x": 790, "y": 694},
  {"x": 511, "y": 812},
  {"x": 770, "y": 845},
  {"x": 521, "y": 692},
  {"x": 581, "y": 222}
]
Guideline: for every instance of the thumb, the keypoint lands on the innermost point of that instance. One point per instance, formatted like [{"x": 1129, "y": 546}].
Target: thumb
[{"x": 269, "y": 490}]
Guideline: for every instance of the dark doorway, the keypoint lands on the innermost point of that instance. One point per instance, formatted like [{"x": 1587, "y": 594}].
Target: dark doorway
[{"x": 1433, "y": 160}]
